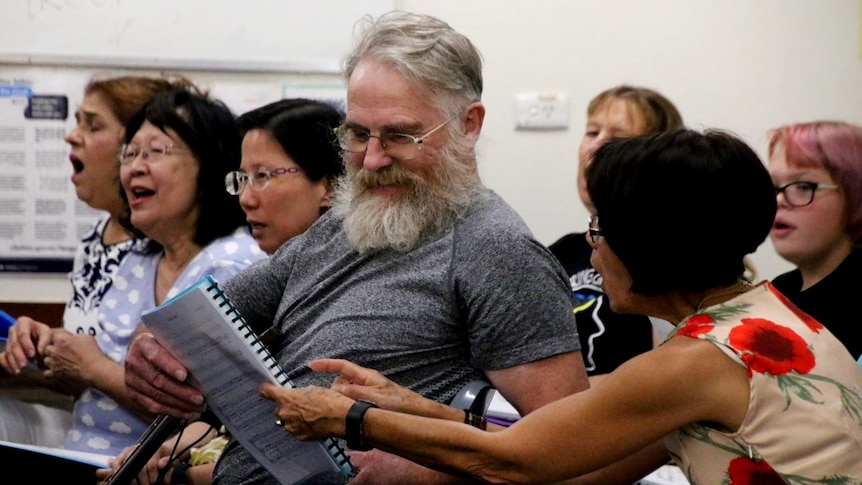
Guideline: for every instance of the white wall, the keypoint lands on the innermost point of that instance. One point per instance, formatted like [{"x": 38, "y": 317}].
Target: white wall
[
  {"x": 746, "y": 66},
  {"x": 211, "y": 34}
]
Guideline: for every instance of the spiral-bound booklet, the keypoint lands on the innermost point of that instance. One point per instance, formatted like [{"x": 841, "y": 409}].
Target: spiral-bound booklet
[{"x": 227, "y": 362}]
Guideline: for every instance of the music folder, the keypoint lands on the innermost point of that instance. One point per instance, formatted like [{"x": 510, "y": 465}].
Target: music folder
[{"x": 228, "y": 362}]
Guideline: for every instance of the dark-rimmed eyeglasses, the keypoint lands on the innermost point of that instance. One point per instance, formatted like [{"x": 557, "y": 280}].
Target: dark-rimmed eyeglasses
[
  {"x": 594, "y": 230},
  {"x": 128, "y": 152},
  {"x": 235, "y": 181},
  {"x": 401, "y": 146},
  {"x": 800, "y": 194}
]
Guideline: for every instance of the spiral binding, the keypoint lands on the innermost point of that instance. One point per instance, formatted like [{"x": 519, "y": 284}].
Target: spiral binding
[{"x": 335, "y": 450}]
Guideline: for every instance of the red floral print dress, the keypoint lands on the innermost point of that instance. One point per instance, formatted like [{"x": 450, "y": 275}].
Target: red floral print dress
[{"x": 804, "y": 419}]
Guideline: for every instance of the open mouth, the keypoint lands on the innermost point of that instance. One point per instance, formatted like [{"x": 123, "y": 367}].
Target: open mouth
[
  {"x": 138, "y": 193},
  {"x": 77, "y": 165}
]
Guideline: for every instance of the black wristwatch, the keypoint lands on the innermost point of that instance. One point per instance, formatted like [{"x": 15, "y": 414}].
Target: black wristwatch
[
  {"x": 179, "y": 477},
  {"x": 354, "y": 428}
]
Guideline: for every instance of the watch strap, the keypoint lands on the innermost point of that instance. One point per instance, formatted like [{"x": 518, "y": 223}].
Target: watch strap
[
  {"x": 354, "y": 426},
  {"x": 178, "y": 476}
]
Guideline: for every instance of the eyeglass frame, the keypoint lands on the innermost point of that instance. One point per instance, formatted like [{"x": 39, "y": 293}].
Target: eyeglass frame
[
  {"x": 166, "y": 149},
  {"x": 341, "y": 130},
  {"x": 594, "y": 231},
  {"x": 815, "y": 186},
  {"x": 245, "y": 178}
]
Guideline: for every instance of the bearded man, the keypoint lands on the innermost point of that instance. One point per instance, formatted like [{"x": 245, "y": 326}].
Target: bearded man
[{"x": 419, "y": 271}]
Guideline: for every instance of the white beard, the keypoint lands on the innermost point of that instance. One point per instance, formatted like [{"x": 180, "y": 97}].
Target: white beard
[{"x": 431, "y": 199}]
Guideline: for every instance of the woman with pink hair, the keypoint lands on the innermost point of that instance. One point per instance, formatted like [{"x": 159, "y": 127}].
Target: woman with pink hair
[{"x": 817, "y": 171}]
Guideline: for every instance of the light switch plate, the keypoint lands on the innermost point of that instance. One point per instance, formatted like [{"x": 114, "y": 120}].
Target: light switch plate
[{"x": 542, "y": 111}]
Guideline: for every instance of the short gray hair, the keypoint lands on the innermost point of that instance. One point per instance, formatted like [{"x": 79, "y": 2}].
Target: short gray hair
[{"x": 426, "y": 50}]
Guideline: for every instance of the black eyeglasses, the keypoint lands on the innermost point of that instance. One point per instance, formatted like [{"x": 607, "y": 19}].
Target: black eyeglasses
[
  {"x": 235, "y": 181},
  {"x": 800, "y": 194},
  {"x": 594, "y": 231}
]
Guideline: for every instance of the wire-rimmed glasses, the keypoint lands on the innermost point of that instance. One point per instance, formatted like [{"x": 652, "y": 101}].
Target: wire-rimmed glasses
[
  {"x": 235, "y": 181},
  {"x": 595, "y": 231},
  {"x": 401, "y": 146},
  {"x": 800, "y": 194},
  {"x": 128, "y": 152}
]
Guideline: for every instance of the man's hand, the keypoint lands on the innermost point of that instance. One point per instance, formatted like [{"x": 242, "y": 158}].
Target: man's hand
[{"x": 157, "y": 381}]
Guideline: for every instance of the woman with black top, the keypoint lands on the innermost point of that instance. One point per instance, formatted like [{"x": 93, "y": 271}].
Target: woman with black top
[
  {"x": 608, "y": 339},
  {"x": 817, "y": 171}
]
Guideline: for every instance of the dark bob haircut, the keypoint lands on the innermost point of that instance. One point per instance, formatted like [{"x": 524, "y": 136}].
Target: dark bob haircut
[
  {"x": 305, "y": 130},
  {"x": 209, "y": 129},
  {"x": 681, "y": 209}
]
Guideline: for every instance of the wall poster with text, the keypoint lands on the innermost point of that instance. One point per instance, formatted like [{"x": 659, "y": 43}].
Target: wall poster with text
[{"x": 41, "y": 219}]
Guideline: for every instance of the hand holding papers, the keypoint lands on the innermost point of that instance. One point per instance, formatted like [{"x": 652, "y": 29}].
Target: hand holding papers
[{"x": 227, "y": 362}]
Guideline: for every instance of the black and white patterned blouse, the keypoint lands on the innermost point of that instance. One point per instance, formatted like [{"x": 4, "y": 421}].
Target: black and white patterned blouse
[{"x": 92, "y": 274}]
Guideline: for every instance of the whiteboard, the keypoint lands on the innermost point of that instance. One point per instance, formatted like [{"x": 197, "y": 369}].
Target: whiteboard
[{"x": 216, "y": 35}]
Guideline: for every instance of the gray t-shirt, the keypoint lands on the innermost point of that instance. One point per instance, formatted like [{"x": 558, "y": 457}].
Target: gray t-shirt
[{"x": 484, "y": 295}]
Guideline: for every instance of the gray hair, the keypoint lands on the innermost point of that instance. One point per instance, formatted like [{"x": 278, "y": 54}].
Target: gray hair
[{"x": 427, "y": 51}]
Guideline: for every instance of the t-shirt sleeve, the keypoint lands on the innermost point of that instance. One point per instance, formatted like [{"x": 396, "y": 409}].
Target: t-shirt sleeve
[
  {"x": 516, "y": 297},
  {"x": 257, "y": 290}
]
